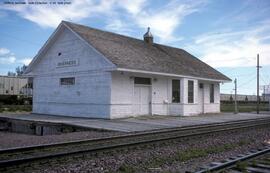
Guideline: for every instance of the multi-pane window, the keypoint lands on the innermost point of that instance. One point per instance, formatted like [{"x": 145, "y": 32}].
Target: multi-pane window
[
  {"x": 176, "y": 91},
  {"x": 142, "y": 80},
  {"x": 67, "y": 81},
  {"x": 212, "y": 93},
  {"x": 190, "y": 91}
]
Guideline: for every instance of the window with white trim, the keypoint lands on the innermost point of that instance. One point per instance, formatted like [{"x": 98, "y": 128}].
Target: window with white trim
[
  {"x": 212, "y": 93},
  {"x": 175, "y": 91},
  {"x": 142, "y": 81},
  {"x": 67, "y": 81},
  {"x": 190, "y": 91}
]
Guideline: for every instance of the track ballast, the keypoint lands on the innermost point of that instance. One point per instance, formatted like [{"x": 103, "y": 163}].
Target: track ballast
[{"x": 15, "y": 156}]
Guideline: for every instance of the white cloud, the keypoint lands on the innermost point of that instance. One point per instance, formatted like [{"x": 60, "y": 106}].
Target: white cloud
[
  {"x": 25, "y": 61},
  {"x": 4, "y": 51},
  {"x": 163, "y": 21},
  {"x": 52, "y": 15},
  {"x": 137, "y": 14},
  {"x": 246, "y": 12},
  {"x": 132, "y": 6},
  {"x": 118, "y": 26},
  {"x": 234, "y": 48},
  {"x": 7, "y": 60},
  {"x": 7, "y": 57}
]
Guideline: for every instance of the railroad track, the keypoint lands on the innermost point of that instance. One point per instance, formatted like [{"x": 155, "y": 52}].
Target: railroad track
[
  {"x": 255, "y": 161},
  {"x": 16, "y": 156}
]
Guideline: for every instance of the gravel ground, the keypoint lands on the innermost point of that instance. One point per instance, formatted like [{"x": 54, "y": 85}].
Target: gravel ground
[
  {"x": 10, "y": 140},
  {"x": 172, "y": 156}
]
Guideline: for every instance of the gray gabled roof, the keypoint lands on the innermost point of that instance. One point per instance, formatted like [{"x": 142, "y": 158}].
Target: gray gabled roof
[{"x": 130, "y": 53}]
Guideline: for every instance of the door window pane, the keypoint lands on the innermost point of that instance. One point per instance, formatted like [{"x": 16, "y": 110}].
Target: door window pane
[{"x": 176, "y": 91}]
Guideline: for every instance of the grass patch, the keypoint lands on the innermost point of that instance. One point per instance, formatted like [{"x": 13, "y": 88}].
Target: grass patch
[
  {"x": 243, "y": 107},
  {"x": 191, "y": 154},
  {"x": 184, "y": 156},
  {"x": 241, "y": 166},
  {"x": 126, "y": 169},
  {"x": 15, "y": 108}
]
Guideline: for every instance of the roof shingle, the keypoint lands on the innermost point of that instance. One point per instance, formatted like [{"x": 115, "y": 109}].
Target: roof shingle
[{"x": 131, "y": 53}]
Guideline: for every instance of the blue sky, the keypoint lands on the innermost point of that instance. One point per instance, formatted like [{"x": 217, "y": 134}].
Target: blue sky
[{"x": 226, "y": 34}]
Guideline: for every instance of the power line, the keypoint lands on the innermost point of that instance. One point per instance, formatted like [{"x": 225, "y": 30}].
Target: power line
[
  {"x": 263, "y": 80},
  {"x": 233, "y": 59},
  {"x": 244, "y": 74},
  {"x": 232, "y": 68},
  {"x": 250, "y": 89},
  {"x": 246, "y": 82},
  {"x": 247, "y": 88},
  {"x": 266, "y": 76},
  {"x": 227, "y": 89}
]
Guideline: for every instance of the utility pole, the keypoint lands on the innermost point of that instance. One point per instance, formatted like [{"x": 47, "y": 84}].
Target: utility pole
[
  {"x": 258, "y": 83},
  {"x": 235, "y": 96},
  {"x": 264, "y": 92}
]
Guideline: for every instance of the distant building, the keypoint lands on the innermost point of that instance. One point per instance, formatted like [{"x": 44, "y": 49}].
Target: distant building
[
  {"x": 241, "y": 97},
  {"x": 86, "y": 72},
  {"x": 266, "y": 92},
  {"x": 15, "y": 85}
]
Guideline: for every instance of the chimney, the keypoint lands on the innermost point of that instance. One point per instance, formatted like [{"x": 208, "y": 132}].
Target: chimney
[{"x": 148, "y": 37}]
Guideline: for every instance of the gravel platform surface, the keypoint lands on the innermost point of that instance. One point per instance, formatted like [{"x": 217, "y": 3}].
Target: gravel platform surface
[
  {"x": 172, "y": 156},
  {"x": 10, "y": 140}
]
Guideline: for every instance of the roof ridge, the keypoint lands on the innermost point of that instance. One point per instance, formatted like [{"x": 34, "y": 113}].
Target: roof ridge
[
  {"x": 125, "y": 36},
  {"x": 126, "y": 51},
  {"x": 101, "y": 30}
]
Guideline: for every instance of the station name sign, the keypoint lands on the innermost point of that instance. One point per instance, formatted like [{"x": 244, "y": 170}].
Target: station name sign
[{"x": 68, "y": 63}]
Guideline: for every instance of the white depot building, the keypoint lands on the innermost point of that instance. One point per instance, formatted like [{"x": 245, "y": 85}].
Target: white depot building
[{"x": 86, "y": 72}]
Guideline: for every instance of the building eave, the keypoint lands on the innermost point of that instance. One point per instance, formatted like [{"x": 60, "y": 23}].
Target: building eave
[
  {"x": 35, "y": 59},
  {"x": 171, "y": 75}
]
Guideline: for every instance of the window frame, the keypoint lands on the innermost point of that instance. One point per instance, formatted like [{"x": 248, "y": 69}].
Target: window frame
[
  {"x": 190, "y": 93},
  {"x": 142, "y": 81},
  {"x": 212, "y": 93},
  {"x": 67, "y": 83},
  {"x": 179, "y": 90}
]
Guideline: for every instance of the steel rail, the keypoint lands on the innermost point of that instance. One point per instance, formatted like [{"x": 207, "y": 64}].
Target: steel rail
[
  {"x": 218, "y": 166},
  {"x": 150, "y": 132},
  {"x": 156, "y": 136}
]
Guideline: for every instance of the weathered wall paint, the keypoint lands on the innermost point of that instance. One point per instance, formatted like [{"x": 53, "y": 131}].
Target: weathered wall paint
[
  {"x": 123, "y": 89},
  {"x": 89, "y": 97},
  {"x": 101, "y": 93}
]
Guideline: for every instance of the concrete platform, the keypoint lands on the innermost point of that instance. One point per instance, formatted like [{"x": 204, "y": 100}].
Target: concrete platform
[{"x": 136, "y": 124}]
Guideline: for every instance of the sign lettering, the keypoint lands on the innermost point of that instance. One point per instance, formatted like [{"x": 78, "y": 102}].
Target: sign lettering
[{"x": 67, "y": 63}]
